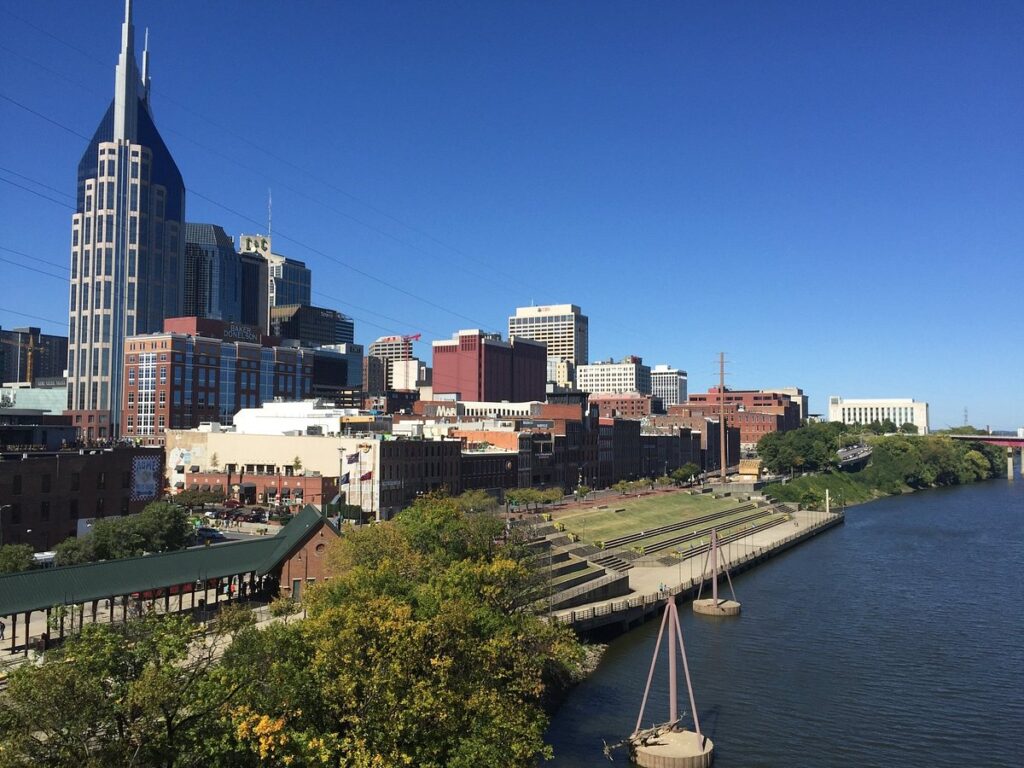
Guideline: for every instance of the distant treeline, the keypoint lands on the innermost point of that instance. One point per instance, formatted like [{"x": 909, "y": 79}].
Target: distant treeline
[{"x": 899, "y": 463}]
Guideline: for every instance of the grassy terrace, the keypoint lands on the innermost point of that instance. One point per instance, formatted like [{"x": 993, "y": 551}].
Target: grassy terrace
[
  {"x": 641, "y": 514},
  {"x": 726, "y": 525}
]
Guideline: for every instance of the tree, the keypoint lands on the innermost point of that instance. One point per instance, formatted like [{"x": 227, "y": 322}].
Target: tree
[
  {"x": 296, "y": 463},
  {"x": 75, "y": 551},
  {"x": 214, "y": 462},
  {"x": 143, "y": 693},
  {"x": 582, "y": 491},
  {"x": 888, "y": 426},
  {"x": 684, "y": 473},
  {"x": 15, "y": 558},
  {"x": 908, "y": 428},
  {"x": 476, "y": 501},
  {"x": 664, "y": 480},
  {"x": 197, "y": 498},
  {"x": 421, "y": 650}
]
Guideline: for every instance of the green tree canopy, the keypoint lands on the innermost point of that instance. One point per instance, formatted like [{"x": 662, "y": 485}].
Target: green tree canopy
[{"x": 15, "y": 558}]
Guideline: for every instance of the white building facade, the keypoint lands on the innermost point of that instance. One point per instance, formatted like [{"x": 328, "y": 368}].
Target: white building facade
[
  {"x": 669, "y": 384},
  {"x": 563, "y": 328},
  {"x": 630, "y": 375},
  {"x": 899, "y": 411}
]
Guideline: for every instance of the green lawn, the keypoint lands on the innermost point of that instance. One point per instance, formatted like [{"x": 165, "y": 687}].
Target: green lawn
[{"x": 641, "y": 514}]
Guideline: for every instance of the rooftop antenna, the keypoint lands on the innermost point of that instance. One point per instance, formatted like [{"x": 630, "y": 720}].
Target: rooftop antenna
[
  {"x": 721, "y": 413},
  {"x": 965, "y": 415}
]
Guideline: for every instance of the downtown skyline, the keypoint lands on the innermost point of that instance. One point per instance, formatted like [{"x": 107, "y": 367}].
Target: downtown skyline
[{"x": 822, "y": 196}]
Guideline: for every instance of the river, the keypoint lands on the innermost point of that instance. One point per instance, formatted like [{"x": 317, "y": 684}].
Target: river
[{"x": 894, "y": 640}]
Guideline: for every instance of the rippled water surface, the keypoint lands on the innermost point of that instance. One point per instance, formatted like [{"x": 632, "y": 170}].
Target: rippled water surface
[{"x": 895, "y": 640}]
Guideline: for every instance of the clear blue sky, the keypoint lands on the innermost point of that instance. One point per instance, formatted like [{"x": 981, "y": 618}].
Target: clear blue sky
[{"x": 832, "y": 193}]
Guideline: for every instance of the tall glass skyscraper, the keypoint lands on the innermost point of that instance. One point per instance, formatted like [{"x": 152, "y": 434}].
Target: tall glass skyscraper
[
  {"x": 127, "y": 244},
  {"x": 213, "y": 274}
]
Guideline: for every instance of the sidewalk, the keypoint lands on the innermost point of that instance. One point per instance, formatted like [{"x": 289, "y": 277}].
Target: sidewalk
[{"x": 652, "y": 579}]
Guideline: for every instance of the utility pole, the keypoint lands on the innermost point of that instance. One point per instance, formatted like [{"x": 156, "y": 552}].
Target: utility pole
[{"x": 721, "y": 412}]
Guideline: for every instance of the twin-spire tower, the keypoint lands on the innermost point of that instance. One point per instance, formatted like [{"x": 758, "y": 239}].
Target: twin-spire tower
[{"x": 127, "y": 247}]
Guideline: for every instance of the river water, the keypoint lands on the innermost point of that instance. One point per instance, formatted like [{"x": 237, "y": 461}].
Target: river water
[{"x": 895, "y": 640}]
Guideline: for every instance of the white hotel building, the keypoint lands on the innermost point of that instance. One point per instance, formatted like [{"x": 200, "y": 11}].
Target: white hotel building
[{"x": 900, "y": 411}]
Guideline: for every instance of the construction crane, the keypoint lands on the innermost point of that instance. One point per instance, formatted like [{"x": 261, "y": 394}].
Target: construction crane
[
  {"x": 410, "y": 338},
  {"x": 32, "y": 349}
]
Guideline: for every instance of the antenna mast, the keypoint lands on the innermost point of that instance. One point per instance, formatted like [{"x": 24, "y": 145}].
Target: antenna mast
[{"x": 721, "y": 411}]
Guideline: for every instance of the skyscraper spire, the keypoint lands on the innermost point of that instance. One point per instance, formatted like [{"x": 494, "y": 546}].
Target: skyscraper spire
[
  {"x": 126, "y": 82},
  {"x": 145, "y": 68}
]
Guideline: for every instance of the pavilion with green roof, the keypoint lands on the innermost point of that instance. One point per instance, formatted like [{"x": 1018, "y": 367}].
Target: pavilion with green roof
[{"x": 291, "y": 558}]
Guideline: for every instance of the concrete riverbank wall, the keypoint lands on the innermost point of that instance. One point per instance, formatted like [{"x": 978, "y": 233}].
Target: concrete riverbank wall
[{"x": 606, "y": 620}]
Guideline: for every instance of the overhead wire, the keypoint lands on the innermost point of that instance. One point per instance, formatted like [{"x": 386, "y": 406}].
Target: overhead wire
[
  {"x": 277, "y": 157},
  {"x": 181, "y": 105}
]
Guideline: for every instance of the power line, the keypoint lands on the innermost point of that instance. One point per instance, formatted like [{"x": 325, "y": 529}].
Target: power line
[
  {"x": 35, "y": 258},
  {"x": 241, "y": 215},
  {"x": 34, "y": 317},
  {"x": 37, "y": 183},
  {"x": 33, "y": 269},
  {"x": 37, "y": 194},
  {"x": 273, "y": 155}
]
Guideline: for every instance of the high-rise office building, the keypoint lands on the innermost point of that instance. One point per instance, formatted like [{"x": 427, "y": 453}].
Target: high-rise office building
[
  {"x": 213, "y": 274},
  {"x": 311, "y": 326},
  {"x": 391, "y": 348},
  {"x": 562, "y": 327},
  {"x": 289, "y": 280},
  {"x": 255, "y": 284},
  {"x": 479, "y": 366},
  {"x": 668, "y": 384},
  {"x": 127, "y": 245},
  {"x": 48, "y": 355},
  {"x": 630, "y": 375}
]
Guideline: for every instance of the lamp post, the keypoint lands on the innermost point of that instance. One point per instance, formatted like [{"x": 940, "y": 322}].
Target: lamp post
[{"x": 3, "y": 508}]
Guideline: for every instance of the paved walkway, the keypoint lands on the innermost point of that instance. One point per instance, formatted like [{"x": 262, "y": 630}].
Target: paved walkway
[{"x": 650, "y": 579}]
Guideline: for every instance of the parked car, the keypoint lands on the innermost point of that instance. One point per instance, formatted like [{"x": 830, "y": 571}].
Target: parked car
[
  {"x": 205, "y": 534},
  {"x": 232, "y": 504}
]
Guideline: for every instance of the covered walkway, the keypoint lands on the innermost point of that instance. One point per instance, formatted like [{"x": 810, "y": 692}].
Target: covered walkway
[{"x": 116, "y": 590}]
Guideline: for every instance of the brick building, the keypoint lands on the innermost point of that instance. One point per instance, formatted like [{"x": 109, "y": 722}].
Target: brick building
[
  {"x": 624, "y": 405},
  {"x": 201, "y": 370},
  {"x": 755, "y": 413},
  {"x": 479, "y": 366},
  {"x": 48, "y": 496}
]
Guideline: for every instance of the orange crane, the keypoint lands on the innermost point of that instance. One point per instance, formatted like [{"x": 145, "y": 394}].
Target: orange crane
[
  {"x": 32, "y": 349},
  {"x": 411, "y": 337}
]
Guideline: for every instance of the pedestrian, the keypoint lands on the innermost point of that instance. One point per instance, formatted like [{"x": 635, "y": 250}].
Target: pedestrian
[{"x": 3, "y": 629}]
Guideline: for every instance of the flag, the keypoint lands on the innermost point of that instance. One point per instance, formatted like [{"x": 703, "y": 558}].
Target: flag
[
  {"x": 352, "y": 458},
  {"x": 366, "y": 476},
  {"x": 344, "y": 479}
]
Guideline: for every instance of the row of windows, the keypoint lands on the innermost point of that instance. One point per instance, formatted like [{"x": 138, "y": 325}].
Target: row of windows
[{"x": 46, "y": 482}]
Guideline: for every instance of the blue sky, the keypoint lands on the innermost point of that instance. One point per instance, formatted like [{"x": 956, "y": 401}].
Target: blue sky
[{"x": 832, "y": 193}]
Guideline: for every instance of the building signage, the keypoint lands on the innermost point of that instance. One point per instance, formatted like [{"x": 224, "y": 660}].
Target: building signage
[
  {"x": 145, "y": 478},
  {"x": 241, "y": 332},
  {"x": 255, "y": 244}
]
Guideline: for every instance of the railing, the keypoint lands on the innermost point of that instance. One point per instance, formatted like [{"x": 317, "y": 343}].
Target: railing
[{"x": 651, "y": 599}]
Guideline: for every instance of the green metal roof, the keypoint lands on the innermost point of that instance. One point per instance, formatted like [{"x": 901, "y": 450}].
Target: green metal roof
[{"x": 40, "y": 589}]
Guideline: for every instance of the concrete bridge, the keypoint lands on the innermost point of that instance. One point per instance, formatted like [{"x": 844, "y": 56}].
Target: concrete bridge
[{"x": 1009, "y": 442}]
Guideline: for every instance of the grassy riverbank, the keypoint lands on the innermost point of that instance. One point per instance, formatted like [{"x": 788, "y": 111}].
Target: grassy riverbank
[{"x": 899, "y": 464}]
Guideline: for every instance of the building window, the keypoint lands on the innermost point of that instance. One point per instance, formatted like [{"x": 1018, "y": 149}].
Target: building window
[
  {"x": 44, "y": 510},
  {"x": 45, "y": 484},
  {"x": 126, "y": 479},
  {"x": 73, "y": 509},
  {"x": 101, "y": 480},
  {"x": 99, "y": 507},
  {"x": 76, "y": 481}
]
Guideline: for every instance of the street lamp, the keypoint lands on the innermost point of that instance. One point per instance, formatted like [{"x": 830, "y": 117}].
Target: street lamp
[{"x": 3, "y": 508}]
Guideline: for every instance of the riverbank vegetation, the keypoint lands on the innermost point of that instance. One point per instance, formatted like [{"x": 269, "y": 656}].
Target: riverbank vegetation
[
  {"x": 900, "y": 463},
  {"x": 422, "y": 649}
]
